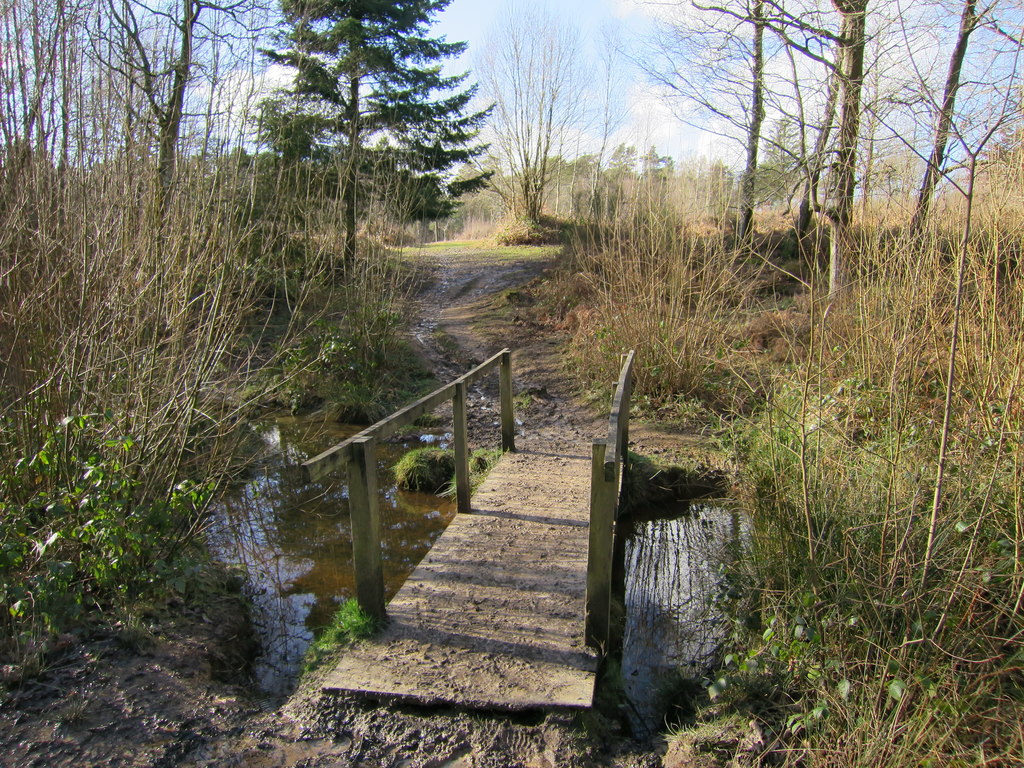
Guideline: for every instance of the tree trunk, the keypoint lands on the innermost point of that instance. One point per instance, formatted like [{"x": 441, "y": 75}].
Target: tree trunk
[
  {"x": 810, "y": 203},
  {"x": 170, "y": 124},
  {"x": 853, "y": 39},
  {"x": 968, "y": 23},
  {"x": 349, "y": 187},
  {"x": 746, "y": 219}
]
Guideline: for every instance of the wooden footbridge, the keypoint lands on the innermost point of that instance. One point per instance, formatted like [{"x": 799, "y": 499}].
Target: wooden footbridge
[{"x": 510, "y": 608}]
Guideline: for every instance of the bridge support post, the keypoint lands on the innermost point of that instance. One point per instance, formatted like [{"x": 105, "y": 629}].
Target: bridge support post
[
  {"x": 365, "y": 516},
  {"x": 508, "y": 420},
  {"x": 603, "y": 501},
  {"x": 461, "y": 448}
]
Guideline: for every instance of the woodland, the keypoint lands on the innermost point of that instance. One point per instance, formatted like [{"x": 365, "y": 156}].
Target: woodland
[{"x": 206, "y": 210}]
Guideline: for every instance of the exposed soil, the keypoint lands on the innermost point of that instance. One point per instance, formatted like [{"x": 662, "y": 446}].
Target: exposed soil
[{"x": 175, "y": 695}]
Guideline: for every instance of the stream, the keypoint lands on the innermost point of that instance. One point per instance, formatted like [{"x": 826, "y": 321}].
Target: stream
[
  {"x": 669, "y": 564},
  {"x": 293, "y": 540}
]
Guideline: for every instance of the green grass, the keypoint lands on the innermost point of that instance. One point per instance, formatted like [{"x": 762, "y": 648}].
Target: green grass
[
  {"x": 481, "y": 462},
  {"x": 425, "y": 469},
  {"x": 432, "y": 470},
  {"x": 350, "y": 625},
  {"x": 489, "y": 249}
]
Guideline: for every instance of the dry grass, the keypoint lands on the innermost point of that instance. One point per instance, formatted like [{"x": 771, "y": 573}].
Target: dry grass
[{"x": 869, "y": 631}]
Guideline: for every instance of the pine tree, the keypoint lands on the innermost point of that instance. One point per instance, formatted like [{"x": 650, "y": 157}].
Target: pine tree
[{"x": 369, "y": 90}]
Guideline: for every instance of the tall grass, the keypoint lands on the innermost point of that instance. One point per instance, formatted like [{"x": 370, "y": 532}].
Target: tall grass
[
  {"x": 873, "y": 628},
  {"x": 145, "y": 308},
  {"x": 665, "y": 285}
]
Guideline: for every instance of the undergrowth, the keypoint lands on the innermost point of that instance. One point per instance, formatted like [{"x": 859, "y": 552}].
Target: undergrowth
[
  {"x": 877, "y": 614},
  {"x": 80, "y": 539},
  {"x": 433, "y": 469}
]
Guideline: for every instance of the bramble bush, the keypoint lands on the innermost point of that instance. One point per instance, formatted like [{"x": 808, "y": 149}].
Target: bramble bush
[{"x": 78, "y": 537}]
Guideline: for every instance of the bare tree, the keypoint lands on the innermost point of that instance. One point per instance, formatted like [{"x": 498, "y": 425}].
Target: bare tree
[
  {"x": 969, "y": 20},
  {"x": 531, "y": 72},
  {"x": 852, "y": 43},
  {"x": 746, "y": 220},
  {"x": 154, "y": 47},
  {"x": 714, "y": 59}
]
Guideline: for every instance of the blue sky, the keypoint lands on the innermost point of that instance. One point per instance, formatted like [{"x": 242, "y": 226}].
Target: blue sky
[{"x": 646, "y": 120}]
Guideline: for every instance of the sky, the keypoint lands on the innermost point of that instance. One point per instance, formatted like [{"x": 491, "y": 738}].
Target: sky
[{"x": 646, "y": 119}]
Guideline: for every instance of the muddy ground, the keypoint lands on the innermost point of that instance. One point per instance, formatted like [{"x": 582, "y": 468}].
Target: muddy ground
[{"x": 171, "y": 690}]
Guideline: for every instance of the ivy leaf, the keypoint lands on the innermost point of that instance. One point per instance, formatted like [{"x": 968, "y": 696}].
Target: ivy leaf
[
  {"x": 896, "y": 689},
  {"x": 717, "y": 688}
]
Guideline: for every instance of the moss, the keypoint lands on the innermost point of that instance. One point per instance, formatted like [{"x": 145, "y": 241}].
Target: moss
[
  {"x": 425, "y": 469},
  {"x": 481, "y": 462},
  {"x": 432, "y": 470}
]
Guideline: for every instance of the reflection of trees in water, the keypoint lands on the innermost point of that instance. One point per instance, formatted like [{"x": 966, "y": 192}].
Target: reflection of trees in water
[
  {"x": 671, "y": 581},
  {"x": 293, "y": 539}
]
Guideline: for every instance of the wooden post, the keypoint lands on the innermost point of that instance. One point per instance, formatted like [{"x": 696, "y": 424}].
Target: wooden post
[
  {"x": 627, "y": 398},
  {"x": 362, "y": 499},
  {"x": 461, "y": 448},
  {"x": 599, "y": 555},
  {"x": 508, "y": 419}
]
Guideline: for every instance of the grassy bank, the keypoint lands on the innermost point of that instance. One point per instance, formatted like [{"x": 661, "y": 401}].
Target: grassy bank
[
  {"x": 140, "y": 329},
  {"x": 877, "y": 617}
]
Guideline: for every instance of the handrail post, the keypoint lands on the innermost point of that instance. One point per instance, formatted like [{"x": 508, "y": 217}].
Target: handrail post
[
  {"x": 508, "y": 421},
  {"x": 603, "y": 501},
  {"x": 461, "y": 448},
  {"x": 362, "y": 496},
  {"x": 627, "y": 404}
]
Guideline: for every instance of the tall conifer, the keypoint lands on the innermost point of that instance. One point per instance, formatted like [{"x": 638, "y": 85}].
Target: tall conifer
[{"x": 369, "y": 89}]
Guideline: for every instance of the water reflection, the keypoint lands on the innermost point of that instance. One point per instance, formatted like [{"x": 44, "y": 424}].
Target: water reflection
[
  {"x": 671, "y": 578},
  {"x": 294, "y": 541}
]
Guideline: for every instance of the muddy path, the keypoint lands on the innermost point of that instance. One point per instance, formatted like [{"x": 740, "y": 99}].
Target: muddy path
[
  {"x": 171, "y": 690},
  {"x": 462, "y": 318}
]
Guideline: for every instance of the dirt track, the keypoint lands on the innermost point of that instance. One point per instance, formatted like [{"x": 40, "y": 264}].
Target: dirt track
[{"x": 160, "y": 699}]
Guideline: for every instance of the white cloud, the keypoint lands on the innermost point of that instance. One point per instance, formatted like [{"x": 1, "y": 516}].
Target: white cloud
[{"x": 653, "y": 123}]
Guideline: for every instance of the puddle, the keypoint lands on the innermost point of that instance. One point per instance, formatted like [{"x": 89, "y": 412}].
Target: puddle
[
  {"x": 670, "y": 571},
  {"x": 294, "y": 542}
]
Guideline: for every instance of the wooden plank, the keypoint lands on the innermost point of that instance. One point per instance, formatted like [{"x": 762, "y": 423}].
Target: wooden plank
[
  {"x": 508, "y": 418},
  {"x": 603, "y": 505},
  {"x": 493, "y": 616},
  {"x": 483, "y": 369},
  {"x": 618, "y": 421},
  {"x": 461, "y": 448}
]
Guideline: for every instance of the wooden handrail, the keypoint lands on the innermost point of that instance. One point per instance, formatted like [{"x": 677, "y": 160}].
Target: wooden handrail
[
  {"x": 609, "y": 455},
  {"x": 618, "y": 420},
  {"x": 358, "y": 454},
  {"x": 335, "y": 457}
]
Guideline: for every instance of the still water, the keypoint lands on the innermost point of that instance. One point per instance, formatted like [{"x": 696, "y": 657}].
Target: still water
[
  {"x": 671, "y": 564},
  {"x": 293, "y": 539}
]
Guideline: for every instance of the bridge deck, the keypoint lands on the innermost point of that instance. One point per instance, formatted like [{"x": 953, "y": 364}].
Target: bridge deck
[{"x": 493, "y": 616}]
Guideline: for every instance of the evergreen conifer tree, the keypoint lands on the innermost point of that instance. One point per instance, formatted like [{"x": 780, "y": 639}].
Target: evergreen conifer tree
[{"x": 369, "y": 90}]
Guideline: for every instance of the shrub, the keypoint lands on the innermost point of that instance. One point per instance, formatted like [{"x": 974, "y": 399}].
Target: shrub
[
  {"x": 78, "y": 533},
  {"x": 546, "y": 231}
]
